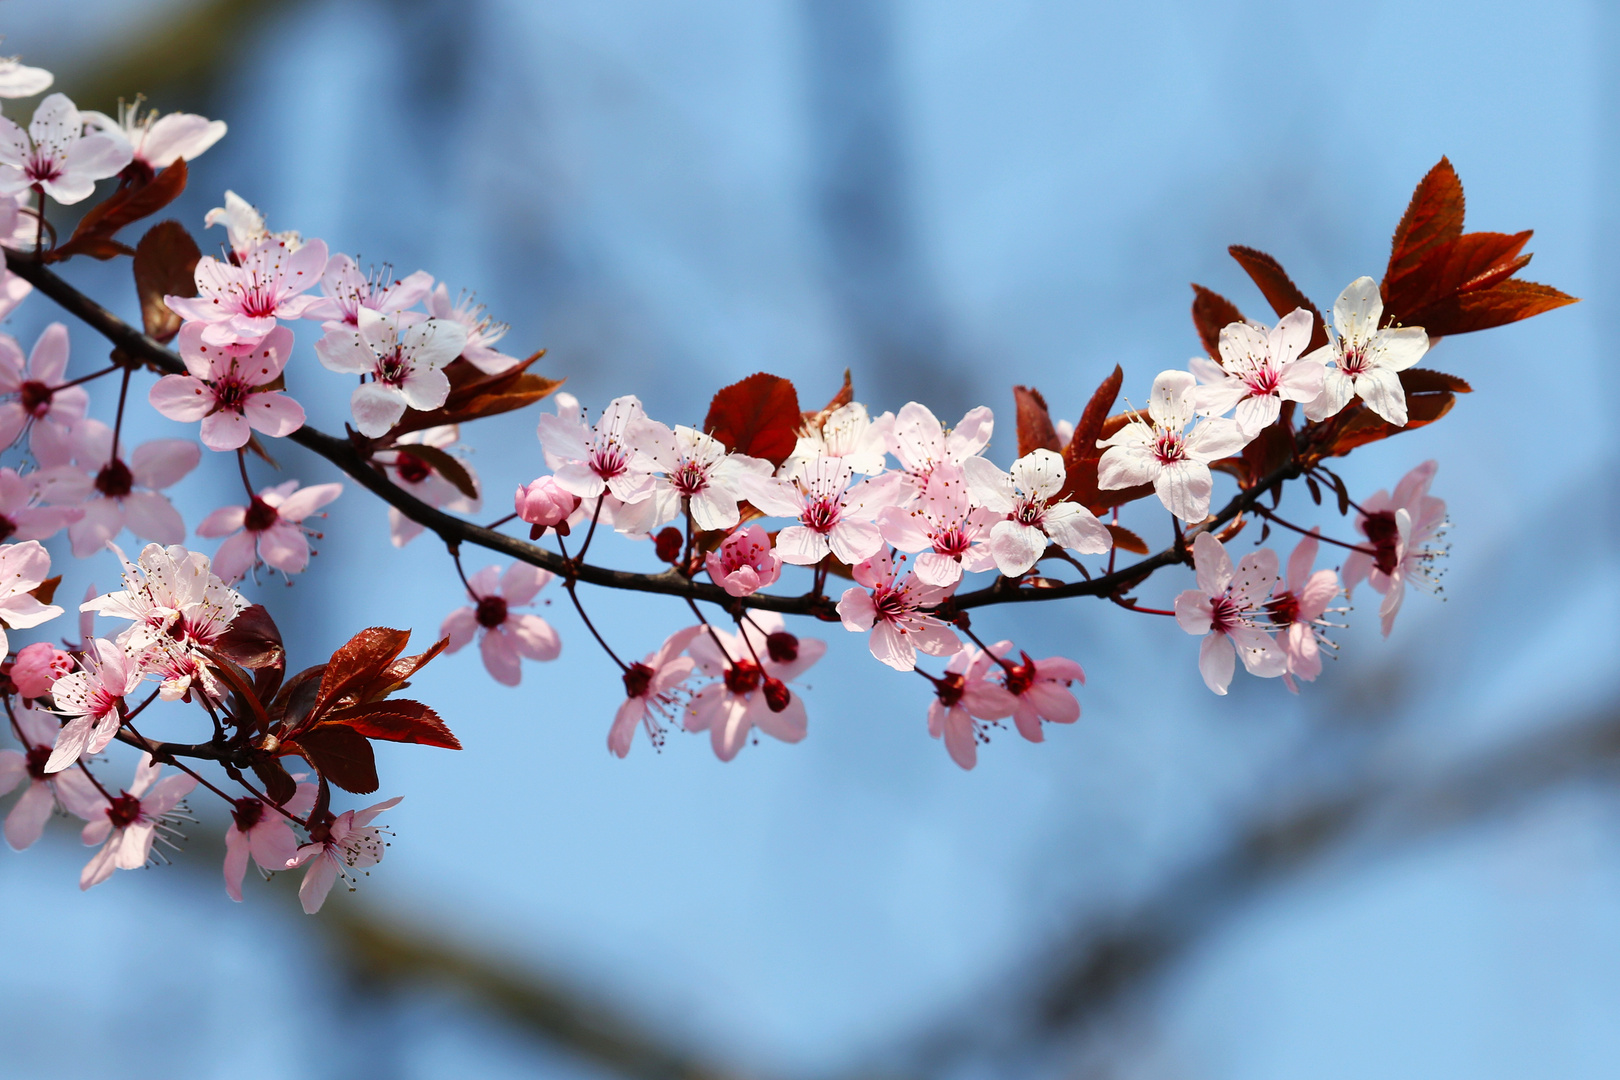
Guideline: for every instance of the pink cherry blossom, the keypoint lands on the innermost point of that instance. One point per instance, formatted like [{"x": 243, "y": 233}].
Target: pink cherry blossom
[
  {"x": 963, "y": 696},
  {"x": 1227, "y": 610},
  {"x": 1367, "y": 361},
  {"x": 416, "y": 475},
  {"x": 345, "y": 290},
  {"x": 952, "y": 534},
  {"x": 1297, "y": 608},
  {"x": 260, "y": 830},
  {"x": 269, "y": 530},
  {"x": 590, "y": 461},
  {"x": 245, "y": 229},
  {"x": 36, "y": 669},
  {"x": 1259, "y": 369},
  {"x": 1040, "y": 690},
  {"x": 158, "y": 142},
  {"x": 506, "y": 636},
  {"x": 545, "y": 505},
  {"x": 20, "y": 519},
  {"x": 402, "y": 361},
  {"x": 55, "y": 156},
  {"x": 892, "y": 611},
  {"x": 1026, "y": 495},
  {"x": 652, "y": 691},
  {"x": 744, "y": 562},
  {"x": 848, "y": 433},
  {"x": 94, "y": 698},
  {"x": 241, "y": 301},
  {"x": 133, "y": 820},
  {"x": 482, "y": 331},
  {"x": 23, "y": 567},
  {"x": 753, "y": 667},
  {"x": 1403, "y": 531},
  {"x": 227, "y": 388},
  {"x": 919, "y": 441},
  {"x": 18, "y": 80},
  {"x": 37, "y": 384},
  {"x": 1160, "y": 451},
  {"x": 832, "y": 516},
  {"x": 349, "y": 842},
  {"x": 696, "y": 470},
  {"x": 118, "y": 495},
  {"x": 36, "y": 730}
]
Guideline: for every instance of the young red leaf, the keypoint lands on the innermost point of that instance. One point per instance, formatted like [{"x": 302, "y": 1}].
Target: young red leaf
[
  {"x": 445, "y": 464},
  {"x": 759, "y": 417},
  {"x": 1433, "y": 219},
  {"x": 396, "y": 721},
  {"x": 278, "y": 782},
  {"x": 1279, "y": 290},
  {"x": 1035, "y": 431},
  {"x": 845, "y": 395},
  {"x": 1125, "y": 540},
  {"x": 45, "y": 591},
  {"x": 1210, "y": 312},
  {"x": 1505, "y": 302},
  {"x": 1081, "y": 456},
  {"x": 340, "y": 754},
  {"x": 1423, "y": 380},
  {"x": 357, "y": 664},
  {"x": 1359, "y": 425},
  {"x": 95, "y": 232},
  {"x": 254, "y": 641},
  {"x": 475, "y": 395},
  {"x": 165, "y": 264}
]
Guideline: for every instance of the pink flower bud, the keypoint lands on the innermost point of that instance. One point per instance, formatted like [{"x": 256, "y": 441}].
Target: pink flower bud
[
  {"x": 545, "y": 506},
  {"x": 745, "y": 562},
  {"x": 37, "y": 667}
]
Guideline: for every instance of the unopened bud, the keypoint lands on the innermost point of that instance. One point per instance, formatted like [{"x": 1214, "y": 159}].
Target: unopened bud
[
  {"x": 545, "y": 505},
  {"x": 668, "y": 545},
  {"x": 777, "y": 695},
  {"x": 783, "y": 647}
]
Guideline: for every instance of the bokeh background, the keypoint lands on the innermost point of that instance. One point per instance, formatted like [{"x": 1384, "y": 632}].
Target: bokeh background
[{"x": 1412, "y": 870}]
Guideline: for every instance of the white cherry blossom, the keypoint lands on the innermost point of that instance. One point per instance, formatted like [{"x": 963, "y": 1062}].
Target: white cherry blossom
[
  {"x": 55, "y": 155},
  {"x": 952, "y": 534},
  {"x": 848, "y": 433},
  {"x": 1025, "y": 495},
  {"x": 482, "y": 331},
  {"x": 1366, "y": 361},
  {"x": 694, "y": 467},
  {"x": 920, "y": 442},
  {"x": 592, "y": 461},
  {"x": 158, "y": 141},
  {"x": 832, "y": 516},
  {"x": 1228, "y": 610},
  {"x": 404, "y": 364},
  {"x": 1259, "y": 369},
  {"x": 1159, "y": 450}
]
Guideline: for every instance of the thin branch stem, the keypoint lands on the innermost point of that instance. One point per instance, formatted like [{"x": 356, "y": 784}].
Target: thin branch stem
[{"x": 1271, "y": 515}]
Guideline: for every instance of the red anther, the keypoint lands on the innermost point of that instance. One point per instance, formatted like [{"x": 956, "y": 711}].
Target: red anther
[
  {"x": 491, "y": 611},
  {"x": 247, "y": 812},
  {"x": 743, "y": 677},
  {"x": 260, "y": 516}
]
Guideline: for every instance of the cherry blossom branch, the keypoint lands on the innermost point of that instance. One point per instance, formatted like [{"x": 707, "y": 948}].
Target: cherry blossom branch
[{"x": 346, "y": 455}]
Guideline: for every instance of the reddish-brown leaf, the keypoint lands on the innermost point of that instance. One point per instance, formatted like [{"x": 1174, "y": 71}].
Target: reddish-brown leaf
[
  {"x": 1035, "y": 431},
  {"x": 1433, "y": 219},
  {"x": 1424, "y": 380},
  {"x": 445, "y": 464},
  {"x": 1125, "y": 540},
  {"x": 340, "y": 754},
  {"x": 45, "y": 591},
  {"x": 1359, "y": 425},
  {"x": 396, "y": 721},
  {"x": 165, "y": 265},
  {"x": 1505, "y": 302},
  {"x": 758, "y": 416},
  {"x": 1210, "y": 312},
  {"x": 1279, "y": 290},
  {"x": 295, "y": 700},
  {"x": 254, "y": 642},
  {"x": 278, "y": 782},
  {"x": 357, "y": 664},
  {"x": 128, "y": 204},
  {"x": 1265, "y": 453},
  {"x": 474, "y": 395}
]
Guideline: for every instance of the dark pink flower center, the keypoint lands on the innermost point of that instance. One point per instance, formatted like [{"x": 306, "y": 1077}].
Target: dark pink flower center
[
  {"x": 231, "y": 393},
  {"x": 1283, "y": 609},
  {"x": 743, "y": 677},
  {"x": 491, "y": 611},
  {"x": 1262, "y": 381},
  {"x": 124, "y": 811},
  {"x": 1354, "y": 361},
  {"x": 1385, "y": 535},
  {"x": 260, "y": 516},
  {"x": 608, "y": 461},
  {"x": 689, "y": 478},
  {"x": 115, "y": 480},
  {"x": 247, "y": 813},
  {"x": 638, "y": 680},
  {"x": 411, "y": 469},
  {"x": 952, "y": 541},
  {"x": 1021, "y": 677},
  {"x": 782, "y": 646},
  {"x": 392, "y": 369},
  {"x": 1029, "y": 512},
  {"x": 35, "y": 397},
  {"x": 777, "y": 695},
  {"x": 37, "y": 757},
  {"x": 7, "y": 527},
  {"x": 821, "y": 515},
  {"x": 1224, "y": 613},
  {"x": 1169, "y": 446},
  {"x": 949, "y": 688},
  {"x": 891, "y": 603}
]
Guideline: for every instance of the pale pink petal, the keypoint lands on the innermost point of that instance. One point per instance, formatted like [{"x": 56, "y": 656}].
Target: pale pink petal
[
  {"x": 501, "y": 658},
  {"x": 1217, "y": 662},
  {"x": 181, "y": 397},
  {"x": 151, "y": 516},
  {"x": 533, "y": 637},
  {"x": 28, "y": 816}
]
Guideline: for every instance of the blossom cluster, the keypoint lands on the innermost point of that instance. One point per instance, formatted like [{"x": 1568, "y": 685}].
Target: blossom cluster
[{"x": 914, "y": 515}]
